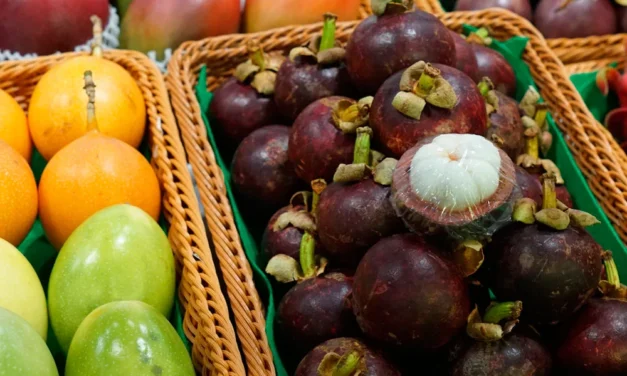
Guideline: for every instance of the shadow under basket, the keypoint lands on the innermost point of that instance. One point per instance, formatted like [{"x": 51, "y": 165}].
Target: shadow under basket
[
  {"x": 593, "y": 148},
  {"x": 205, "y": 316}
]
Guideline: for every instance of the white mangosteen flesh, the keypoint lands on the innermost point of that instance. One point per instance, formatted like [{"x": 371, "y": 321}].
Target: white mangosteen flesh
[{"x": 456, "y": 171}]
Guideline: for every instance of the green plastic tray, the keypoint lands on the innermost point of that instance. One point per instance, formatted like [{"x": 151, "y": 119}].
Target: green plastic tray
[
  {"x": 42, "y": 255},
  {"x": 575, "y": 182}
]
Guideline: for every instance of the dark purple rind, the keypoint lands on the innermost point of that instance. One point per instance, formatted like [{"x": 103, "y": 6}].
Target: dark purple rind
[
  {"x": 239, "y": 110},
  {"x": 317, "y": 147},
  {"x": 493, "y": 65},
  {"x": 466, "y": 60},
  {"x": 382, "y": 46},
  {"x": 405, "y": 294},
  {"x": 578, "y": 19},
  {"x": 286, "y": 241},
  {"x": 398, "y": 132},
  {"x": 520, "y": 7},
  {"x": 529, "y": 185},
  {"x": 353, "y": 217},
  {"x": 552, "y": 272},
  {"x": 505, "y": 122}
]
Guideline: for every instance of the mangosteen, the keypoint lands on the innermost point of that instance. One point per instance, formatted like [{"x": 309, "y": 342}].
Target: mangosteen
[
  {"x": 394, "y": 39},
  {"x": 345, "y": 357},
  {"x": 244, "y": 102},
  {"x": 575, "y": 18},
  {"x": 520, "y": 7},
  {"x": 622, "y": 18},
  {"x": 465, "y": 56},
  {"x": 318, "y": 307},
  {"x": 426, "y": 100},
  {"x": 494, "y": 346},
  {"x": 406, "y": 294},
  {"x": 285, "y": 231},
  {"x": 505, "y": 127},
  {"x": 323, "y": 136},
  {"x": 261, "y": 171},
  {"x": 595, "y": 340},
  {"x": 458, "y": 184},
  {"x": 546, "y": 259},
  {"x": 537, "y": 139},
  {"x": 355, "y": 211},
  {"x": 529, "y": 185},
  {"x": 312, "y": 72},
  {"x": 492, "y": 64}
]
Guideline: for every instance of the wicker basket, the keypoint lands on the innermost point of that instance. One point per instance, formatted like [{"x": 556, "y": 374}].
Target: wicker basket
[
  {"x": 206, "y": 321},
  {"x": 593, "y": 65},
  {"x": 593, "y": 147}
]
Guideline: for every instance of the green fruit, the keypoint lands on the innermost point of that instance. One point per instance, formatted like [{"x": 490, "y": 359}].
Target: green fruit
[
  {"x": 119, "y": 253},
  {"x": 22, "y": 351},
  {"x": 127, "y": 338},
  {"x": 20, "y": 289}
]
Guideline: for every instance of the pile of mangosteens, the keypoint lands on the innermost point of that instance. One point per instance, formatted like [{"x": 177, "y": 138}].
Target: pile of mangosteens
[
  {"x": 413, "y": 225},
  {"x": 562, "y": 18}
]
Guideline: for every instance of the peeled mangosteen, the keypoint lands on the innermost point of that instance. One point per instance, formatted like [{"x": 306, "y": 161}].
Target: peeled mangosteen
[
  {"x": 575, "y": 18},
  {"x": 406, "y": 294},
  {"x": 455, "y": 183},
  {"x": 285, "y": 231},
  {"x": 323, "y": 136},
  {"x": 494, "y": 346},
  {"x": 465, "y": 56},
  {"x": 261, "y": 170},
  {"x": 393, "y": 39},
  {"x": 355, "y": 211},
  {"x": 520, "y": 7},
  {"x": 345, "y": 357},
  {"x": 547, "y": 260},
  {"x": 595, "y": 341},
  {"x": 244, "y": 102},
  {"x": 492, "y": 64},
  {"x": 425, "y": 100},
  {"x": 312, "y": 72},
  {"x": 505, "y": 127}
]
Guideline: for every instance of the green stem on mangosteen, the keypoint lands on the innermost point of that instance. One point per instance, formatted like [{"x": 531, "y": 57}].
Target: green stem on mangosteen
[
  {"x": 612, "y": 272},
  {"x": 328, "y": 32},
  {"x": 483, "y": 33},
  {"x": 484, "y": 87},
  {"x": 541, "y": 113},
  {"x": 426, "y": 80},
  {"x": 347, "y": 365},
  {"x": 361, "y": 154},
  {"x": 502, "y": 311},
  {"x": 255, "y": 53},
  {"x": 532, "y": 146},
  {"x": 549, "y": 196},
  {"x": 307, "y": 255}
]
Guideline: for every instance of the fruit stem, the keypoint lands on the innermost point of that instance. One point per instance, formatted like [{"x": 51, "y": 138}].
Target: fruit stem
[
  {"x": 532, "y": 144},
  {"x": 612, "y": 272},
  {"x": 549, "y": 197},
  {"x": 307, "y": 255},
  {"x": 90, "y": 89},
  {"x": 347, "y": 365},
  {"x": 255, "y": 53},
  {"x": 427, "y": 79},
  {"x": 483, "y": 33},
  {"x": 328, "y": 32},
  {"x": 502, "y": 311},
  {"x": 362, "y": 146},
  {"x": 484, "y": 87},
  {"x": 317, "y": 186},
  {"x": 540, "y": 116},
  {"x": 96, "y": 45}
]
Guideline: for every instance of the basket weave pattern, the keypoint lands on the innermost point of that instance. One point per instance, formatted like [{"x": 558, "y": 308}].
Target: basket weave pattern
[
  {"x": 206, "y": 320},
  {"x": 593, "y": 147},
  {"x": 578, "y": 50}
]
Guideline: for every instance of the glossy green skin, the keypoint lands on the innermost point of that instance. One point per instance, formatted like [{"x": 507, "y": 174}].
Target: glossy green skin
[
  {"x": 127, "y": 338},
  {"x": 22, "y": 350},
  {"x": 119, "y": 253}
]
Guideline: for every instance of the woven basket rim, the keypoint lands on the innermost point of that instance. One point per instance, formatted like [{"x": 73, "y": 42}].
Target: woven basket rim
[{"x": 187, "y": 234}]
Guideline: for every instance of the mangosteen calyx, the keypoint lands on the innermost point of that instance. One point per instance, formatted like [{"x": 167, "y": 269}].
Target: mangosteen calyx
[
  {"x": 420, "y": 84},
  {"x": 468, "y": 255},
  {"x": 300, "y": 219},
  {"x": 383, "y": 7},
  {"x": 322, "y": 49},
  {"x": 348, "y": 116},
  {"x": 384, "y": 171},
  {"x": 488, "y": 329},
  {"x": 532, "y": 108},
  {"x": 529, "y": 101},
  {"x": 360, "y": 168},
  {"x": 335, "y": 365},
  {"x": 259, "y": 70},
  {"x": 524, "y": 211},
  {"x": 486, "y": 88},
  {"x": 611, "y": 287},
  {"x": 531, "y": 160},
  {"x": 481, "y": 37},
  {"x": 286, "y": 269}
]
